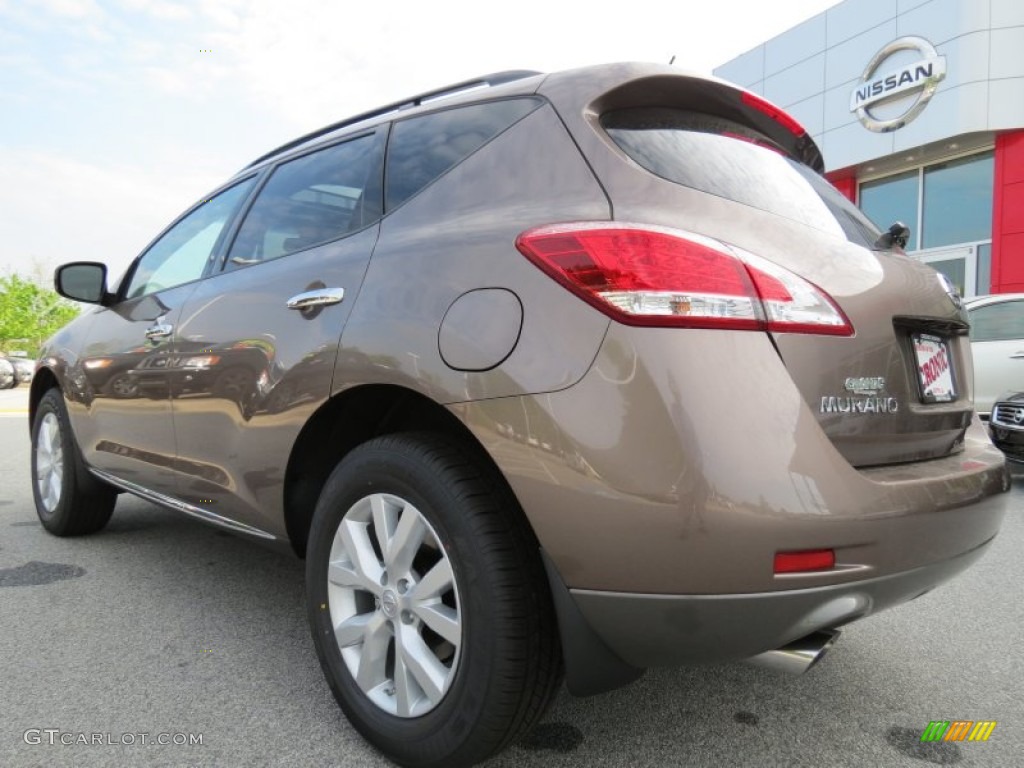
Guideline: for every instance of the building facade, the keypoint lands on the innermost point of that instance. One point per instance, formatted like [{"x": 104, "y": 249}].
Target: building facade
[{"x": 918, "y": 108}]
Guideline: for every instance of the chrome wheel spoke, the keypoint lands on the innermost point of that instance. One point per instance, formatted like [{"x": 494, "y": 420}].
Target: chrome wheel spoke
[
  {"x": 364, "y": 563},
  {"x": 385, "y": 518},
  {"x": 353, "y": 630},
  {"x": 372, "y": 669},
  {"x": 442, "y": 619},
  {"x": 343, "y": 574},
  {"x": 407, "y": 691},
  {"x": 404, "y": 545},
  {"x": 438, "y": 580},
  {"x": 429, "y": 673}
]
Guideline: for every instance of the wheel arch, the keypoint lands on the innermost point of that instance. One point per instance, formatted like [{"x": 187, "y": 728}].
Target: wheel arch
[
  {"x": 348, "y": 420},
  {"x": 43, "y": 381}
]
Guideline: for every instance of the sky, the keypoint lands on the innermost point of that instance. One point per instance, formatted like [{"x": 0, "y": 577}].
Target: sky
[{"x": 117, "y": 115}]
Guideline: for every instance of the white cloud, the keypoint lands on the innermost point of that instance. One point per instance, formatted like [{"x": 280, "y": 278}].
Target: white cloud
[
  {"x": 72, "y": 9},
  {"x": 160, "y": 9},
  {"x": 57, "y": 208}
]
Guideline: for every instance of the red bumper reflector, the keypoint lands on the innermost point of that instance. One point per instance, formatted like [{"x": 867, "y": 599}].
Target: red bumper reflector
[{"x": 809, "y": 560}]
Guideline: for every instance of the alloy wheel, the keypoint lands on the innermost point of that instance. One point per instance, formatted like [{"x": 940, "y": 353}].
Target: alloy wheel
[
  {"x": 394, "y": 605},
  {"x": 49, "y": 462}
]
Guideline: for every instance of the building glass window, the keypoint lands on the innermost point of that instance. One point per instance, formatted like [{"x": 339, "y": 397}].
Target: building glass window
[
  {"x": 893, "y": 199},
  {"x": 955, "y": 270},
  {"x": 948, "y": 207},
  {"x": 958, "y": 201}
]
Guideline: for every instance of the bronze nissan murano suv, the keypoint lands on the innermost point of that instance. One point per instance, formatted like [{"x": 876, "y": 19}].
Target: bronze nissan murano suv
[{"x": 544, "y": 375}]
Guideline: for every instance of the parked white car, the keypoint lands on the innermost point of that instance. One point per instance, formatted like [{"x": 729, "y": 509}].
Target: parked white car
[{"x": 997, "y": 345}]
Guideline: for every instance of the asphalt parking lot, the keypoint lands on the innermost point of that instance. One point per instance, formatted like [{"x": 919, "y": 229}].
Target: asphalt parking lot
[{"x": 163, "y": 626}]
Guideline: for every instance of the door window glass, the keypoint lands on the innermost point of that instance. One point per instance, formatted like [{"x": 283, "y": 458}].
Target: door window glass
[
  {"x": 423, "y": 148},
  {"x": 998, "y": 322},
  {"x": 182, "y": 253},
  {"x": 313, "y": 199}
]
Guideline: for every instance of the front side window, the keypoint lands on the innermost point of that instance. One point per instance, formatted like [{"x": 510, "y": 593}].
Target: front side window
[
  {"x": 313, "y": 199},
  {"x": 182, "y": 253}
]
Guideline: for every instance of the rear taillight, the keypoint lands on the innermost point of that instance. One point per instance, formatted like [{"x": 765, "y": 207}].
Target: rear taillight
[{"x": 655, "y": 276}]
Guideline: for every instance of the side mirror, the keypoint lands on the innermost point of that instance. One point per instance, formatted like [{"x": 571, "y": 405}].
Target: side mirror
[
  {"x": 82, "y": 281},
  {"x": 898, "y": 234}
]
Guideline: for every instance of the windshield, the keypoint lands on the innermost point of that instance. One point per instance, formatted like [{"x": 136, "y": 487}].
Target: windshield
[{"x": 730, "y": 160}]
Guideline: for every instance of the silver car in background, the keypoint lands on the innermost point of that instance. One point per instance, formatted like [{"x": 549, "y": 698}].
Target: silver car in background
[
  {"x": 7, "y": 377},
  {"x": 997, "y": 344}
]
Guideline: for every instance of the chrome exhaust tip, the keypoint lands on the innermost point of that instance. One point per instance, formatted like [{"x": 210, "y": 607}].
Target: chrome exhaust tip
[{"x": 799, "y": 656}]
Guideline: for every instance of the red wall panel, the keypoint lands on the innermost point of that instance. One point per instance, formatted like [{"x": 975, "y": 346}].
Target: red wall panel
[
  {"x": 845, "y": 182},
  {"x": 1008, "y": 214}
]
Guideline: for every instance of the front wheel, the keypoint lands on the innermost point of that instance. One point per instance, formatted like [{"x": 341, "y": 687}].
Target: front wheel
[
  {"x": 69, "y": 501},
  {"x": 428, "y": 603}
]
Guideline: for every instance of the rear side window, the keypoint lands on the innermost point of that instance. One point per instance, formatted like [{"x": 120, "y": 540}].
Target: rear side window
[
  {"x": 423, "y": 148},
  {"x": 312, "y": 199},
  {"x": 723, "y": 158},
  {"x": 998, "y": 322}
]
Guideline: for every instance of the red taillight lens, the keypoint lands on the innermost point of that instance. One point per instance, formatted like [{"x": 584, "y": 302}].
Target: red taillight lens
[
  {"x": 648, "y": 275},
  {"x": 809, "y": 560}
]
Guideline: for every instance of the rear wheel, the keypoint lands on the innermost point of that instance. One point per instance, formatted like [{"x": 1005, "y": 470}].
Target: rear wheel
[
  {"x": 69, "y": 501},
  {"x": 428, "y": 603}
]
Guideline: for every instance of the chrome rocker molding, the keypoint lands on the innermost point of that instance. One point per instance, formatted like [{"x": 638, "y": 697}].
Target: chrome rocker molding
[{"x": 180, "y": 506}]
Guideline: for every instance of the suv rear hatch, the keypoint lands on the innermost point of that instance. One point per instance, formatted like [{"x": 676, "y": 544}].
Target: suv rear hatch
[{"x": 705, "y": 158}]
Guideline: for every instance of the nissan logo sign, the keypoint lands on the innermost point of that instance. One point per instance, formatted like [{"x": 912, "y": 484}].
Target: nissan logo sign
[{"x": 913, "y": 84}]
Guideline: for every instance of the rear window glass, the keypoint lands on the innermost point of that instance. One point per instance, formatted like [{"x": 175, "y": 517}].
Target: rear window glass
[
  {"x": 422, "y": 148},
  {"x": 726, "y": 159}
]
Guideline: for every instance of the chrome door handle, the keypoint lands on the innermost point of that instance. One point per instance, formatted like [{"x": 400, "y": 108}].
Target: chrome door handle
[
  {"x": 1017, "y": 356},
  {"x": 159, "y": 331},
  {"x": 321, "y": 297}
]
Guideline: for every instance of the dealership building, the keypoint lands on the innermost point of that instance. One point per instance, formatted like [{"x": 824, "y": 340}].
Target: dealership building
[{"x": 918, "y": 108}]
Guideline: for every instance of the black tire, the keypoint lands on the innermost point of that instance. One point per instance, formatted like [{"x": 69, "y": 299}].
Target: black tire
[
  {"x": 83, "y": 504},
  {"x": 507, "y": 667}
]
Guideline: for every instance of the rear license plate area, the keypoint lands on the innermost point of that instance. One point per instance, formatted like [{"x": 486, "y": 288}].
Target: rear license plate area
[{"x": 935, "y": 378}]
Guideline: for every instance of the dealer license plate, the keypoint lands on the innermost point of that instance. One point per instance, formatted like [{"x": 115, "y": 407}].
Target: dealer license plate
[{"x": 934, "y": 368}]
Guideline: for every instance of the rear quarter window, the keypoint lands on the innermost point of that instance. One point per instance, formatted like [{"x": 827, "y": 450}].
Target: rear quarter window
[
  {"x": 423, "y": 148},
  {"x": 724, "y": 158}
]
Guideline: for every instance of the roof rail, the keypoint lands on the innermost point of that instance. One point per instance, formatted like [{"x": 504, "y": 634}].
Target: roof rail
[{"x": 496, "y": 78}]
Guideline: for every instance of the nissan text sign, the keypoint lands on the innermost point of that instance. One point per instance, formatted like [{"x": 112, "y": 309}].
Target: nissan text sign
[{"x": 902, "y": 91}]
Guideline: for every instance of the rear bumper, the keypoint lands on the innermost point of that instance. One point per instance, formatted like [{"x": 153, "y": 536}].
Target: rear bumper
[
  {"x": 684, "y": 461},
  {"x": 669, "y": 630}
]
